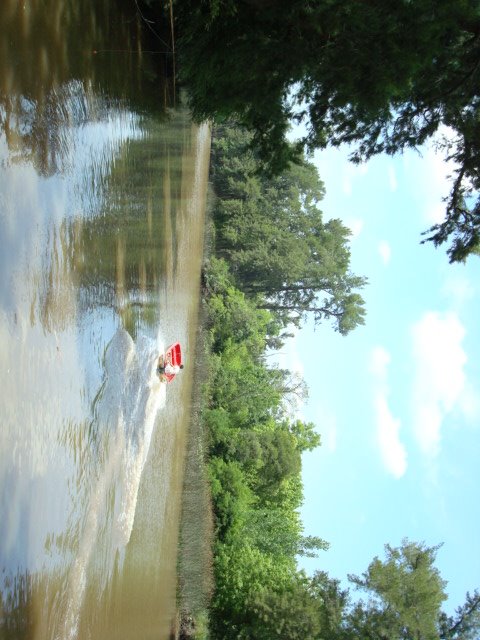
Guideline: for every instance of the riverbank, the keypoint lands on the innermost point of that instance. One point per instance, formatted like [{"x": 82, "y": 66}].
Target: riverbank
[
  {"x": 195, "y": 553},
  {"x": 195, "y": 573}
]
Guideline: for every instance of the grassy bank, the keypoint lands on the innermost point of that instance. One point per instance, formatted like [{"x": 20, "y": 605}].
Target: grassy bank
[{"x": 195, "y": 555}]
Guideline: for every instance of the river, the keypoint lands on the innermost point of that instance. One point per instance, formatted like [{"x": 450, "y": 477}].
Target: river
[{"x": 102, "y": 207}]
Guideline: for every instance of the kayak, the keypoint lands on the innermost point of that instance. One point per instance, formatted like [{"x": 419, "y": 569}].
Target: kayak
[{"x": 173, "y": 357}]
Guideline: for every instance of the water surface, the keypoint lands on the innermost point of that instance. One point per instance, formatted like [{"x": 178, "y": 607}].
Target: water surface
[{"x": 102, "y": 191}]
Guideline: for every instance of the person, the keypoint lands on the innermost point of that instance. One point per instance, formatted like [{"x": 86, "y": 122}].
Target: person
[
  {"x": 168, "y": 369},
  {"x": 172, "y": 369}
]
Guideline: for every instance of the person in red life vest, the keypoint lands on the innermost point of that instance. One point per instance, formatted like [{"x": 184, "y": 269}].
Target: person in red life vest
[{"x": 169, "y": 369}]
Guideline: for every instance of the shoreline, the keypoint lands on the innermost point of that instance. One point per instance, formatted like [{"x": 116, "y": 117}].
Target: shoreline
[{"x": 195, "y": 554}]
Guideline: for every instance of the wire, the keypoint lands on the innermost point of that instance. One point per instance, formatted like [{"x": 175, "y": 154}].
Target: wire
[{"x": 147, "y": 22}]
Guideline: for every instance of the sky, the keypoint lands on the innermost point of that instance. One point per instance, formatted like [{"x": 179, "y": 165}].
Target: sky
[{"x": 396, "y": 401}]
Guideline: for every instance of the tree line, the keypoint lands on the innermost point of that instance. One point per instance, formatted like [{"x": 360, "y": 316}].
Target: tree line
[
  {"x": 269, "y": 235},
  {"x": 271, "y": 232}
]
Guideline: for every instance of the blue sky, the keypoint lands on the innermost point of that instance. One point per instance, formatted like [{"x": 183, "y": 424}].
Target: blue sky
[{"x": 396, "y": 401}]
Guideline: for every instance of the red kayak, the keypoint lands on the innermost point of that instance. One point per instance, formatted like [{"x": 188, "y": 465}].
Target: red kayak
[{"x": 172, "y": 358}]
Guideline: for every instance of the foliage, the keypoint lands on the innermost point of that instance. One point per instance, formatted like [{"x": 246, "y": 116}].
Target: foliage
[
  {"x": 195, "y": 559},
  {"x": 231, "y": 496},
  {"x": 465, "y": 624},
  {"x": 255, "y": 444},
  {"x": 229, "y": 310},
  {"x": 278, "y": 613},
  {"x": 280, "y": 252},
  {"x": 406, "y": 593},
  {"x": 381, "y": 76},
  {"x": 254, "y": 450}
]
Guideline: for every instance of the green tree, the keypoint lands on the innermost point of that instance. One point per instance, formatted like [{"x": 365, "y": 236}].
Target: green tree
[
  {"x": 269, "y": 456},
  {"x": 245, "y": 387},
  {"x": 305, "y": 434},
  {"x": 242, "y": 573},
  {"x": 309, "y": 545},
  {"x": 231, "y": 497},
  {"x": 280, "y": 459},
  {"x": 280, "y": 251},
  {"x": 405, "y": 592},
  {"x": 381, "y": 75},
  {"x": 280, "y": 615},
  {"x": 307, "y": 609},
  {"x": 277, "y": 529},
  {"x": 234, "y": 319},
  {"x": 465, "y": 624}
]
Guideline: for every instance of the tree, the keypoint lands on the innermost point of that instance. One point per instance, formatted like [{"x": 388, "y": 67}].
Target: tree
[
  {"x": 270, "y": 457},
  {"x": 231, "y": 497},
  {"x": 309, "y": 545},
  {"x": 248, "y": 390},
  {"x": 306, "y": 437},
  {"x": 291, "y": 614},
  {"x": 280, "y": 251},
  {"x": 406, "y": 593},
  {"x": 465, "y": 624},
  {"x": 381, "y": 75},
  {"x": 242, "y": 573}
]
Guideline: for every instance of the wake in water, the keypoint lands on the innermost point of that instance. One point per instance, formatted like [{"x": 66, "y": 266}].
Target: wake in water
[
  {"x": 132, "y": 398},
  {"x": 126, "y": 410}
]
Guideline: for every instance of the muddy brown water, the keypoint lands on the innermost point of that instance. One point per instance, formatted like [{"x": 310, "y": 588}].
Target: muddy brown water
[{"x": 102, "y": 204}]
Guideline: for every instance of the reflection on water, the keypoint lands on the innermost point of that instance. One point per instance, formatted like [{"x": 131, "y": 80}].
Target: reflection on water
[
  {"x": 55, "y": 56},
  {"x": 101, "y": 199}
]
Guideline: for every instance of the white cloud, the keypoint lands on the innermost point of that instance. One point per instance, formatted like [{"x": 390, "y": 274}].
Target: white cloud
[
  {"x": 430, "y": 173},
  {"x": 435, "y": 212},
  {"x": 439, "y": 380},
  {"x": 289, "y": 358},
  {"x": 458, "y": 289},
  {"x": 385, "y": 251},
  {"x": 379, "y": 361},
  {"x": 350, "y": 174},
  {"x": 356, "y": 226},
  {"x": 392, "y": 450},
  {"x": 438, "y": 179},
  {"x": 470, "y": 405},
  {"x": 347, "y": 185},
  {"x": 327, "y": 426},
  {"x": 392, "y": 178}
]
